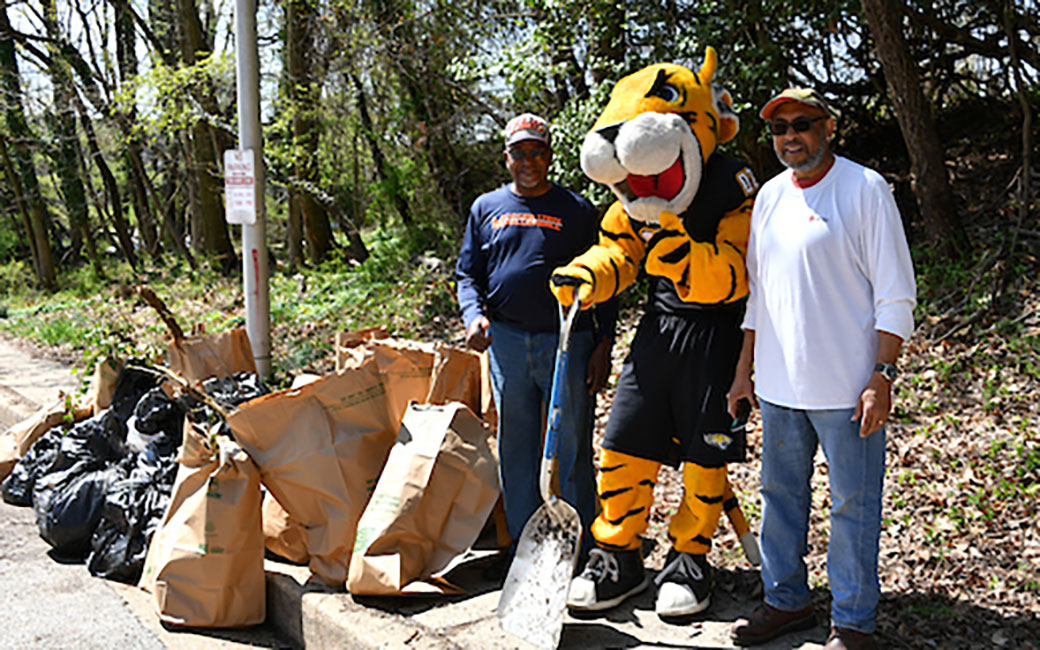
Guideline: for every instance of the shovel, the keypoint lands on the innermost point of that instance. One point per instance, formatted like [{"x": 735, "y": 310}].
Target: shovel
[{"x": 534, "y": 596}]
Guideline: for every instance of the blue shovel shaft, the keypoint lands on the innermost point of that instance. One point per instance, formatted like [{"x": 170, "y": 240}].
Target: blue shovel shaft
[{"x": 556, "y": 399}]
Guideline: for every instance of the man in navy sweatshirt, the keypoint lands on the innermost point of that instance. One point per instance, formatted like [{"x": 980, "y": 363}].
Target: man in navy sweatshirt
[{"x": 515, "y": 237}]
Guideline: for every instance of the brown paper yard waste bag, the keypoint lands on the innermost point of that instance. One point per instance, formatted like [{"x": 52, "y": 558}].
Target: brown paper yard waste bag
[
  {"x": 320, "y": 449},
  {"x": 16, "y": 441},
  {"x": 455, "y": 378},
  {"x": 103, "y": 383},
  {"x": 205, "y": 565},
  {"x": 405, "y": 367},
  {"x": 211, "y": 355},
  {"x": 283, "y": 535},
  {"x": 353, "y": 339},
  {"x": 433, "y": 497}
]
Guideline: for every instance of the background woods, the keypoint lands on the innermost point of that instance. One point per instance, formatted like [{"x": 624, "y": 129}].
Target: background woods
[{"x": 381, "y": 118}]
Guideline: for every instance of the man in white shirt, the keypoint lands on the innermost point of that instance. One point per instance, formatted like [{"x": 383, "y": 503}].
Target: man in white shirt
[{"x": 832, "y": 294}]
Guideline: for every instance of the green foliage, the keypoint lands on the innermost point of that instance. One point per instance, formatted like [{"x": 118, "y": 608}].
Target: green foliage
[
  {"x": 164, "y": 99},
  {"x": 15, "y": 275}
]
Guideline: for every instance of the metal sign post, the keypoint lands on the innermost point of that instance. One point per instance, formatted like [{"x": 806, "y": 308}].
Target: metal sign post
[{"x": 250, "y": 141}]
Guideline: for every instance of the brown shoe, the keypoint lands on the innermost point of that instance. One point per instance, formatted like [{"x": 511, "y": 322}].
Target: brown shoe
[
  {"x": 768, "y": 622},
  {"x": 842, "y": 638}
]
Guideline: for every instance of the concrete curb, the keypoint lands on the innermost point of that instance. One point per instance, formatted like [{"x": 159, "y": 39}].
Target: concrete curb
[{"x": 317, "y": 619}]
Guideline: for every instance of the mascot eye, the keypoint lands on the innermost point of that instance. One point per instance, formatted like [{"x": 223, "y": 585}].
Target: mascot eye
[
  {"x": 667, "y": 92},
  {"x": 663, "y": 89}
]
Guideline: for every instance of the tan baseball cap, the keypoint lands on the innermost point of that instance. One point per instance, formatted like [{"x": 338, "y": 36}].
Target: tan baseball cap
[
  {"x": 806, "y": 96},
  {"x": 527, "y": 126}
]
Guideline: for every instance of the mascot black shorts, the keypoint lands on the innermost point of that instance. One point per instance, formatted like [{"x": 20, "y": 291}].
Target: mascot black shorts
[{"x": 670, "y": 404}]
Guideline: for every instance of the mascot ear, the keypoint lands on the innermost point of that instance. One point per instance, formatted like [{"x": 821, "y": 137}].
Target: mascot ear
[{"x": 729, "y": 123}]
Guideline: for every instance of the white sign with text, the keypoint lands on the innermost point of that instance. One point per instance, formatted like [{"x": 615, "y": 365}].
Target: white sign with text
[{"x": 240, "y": 186}]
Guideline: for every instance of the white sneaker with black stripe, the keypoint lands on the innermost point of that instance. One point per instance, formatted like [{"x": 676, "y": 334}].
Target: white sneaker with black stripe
[
  {"x": 608, "y": 579},
  {"x": 684, "y": 585}
]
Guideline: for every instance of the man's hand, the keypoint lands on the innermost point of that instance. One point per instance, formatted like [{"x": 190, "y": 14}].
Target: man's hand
[
  {"x": 477, "y": 336},
  {"x": 874, "y": 404},
  {"x": 570, "y": 282},
  {"x": 741, "y": 388},
  {"x": 599, "y": 367}
]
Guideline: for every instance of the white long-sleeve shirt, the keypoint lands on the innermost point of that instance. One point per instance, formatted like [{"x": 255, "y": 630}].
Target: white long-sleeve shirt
[{"x": 828, "y": 267}]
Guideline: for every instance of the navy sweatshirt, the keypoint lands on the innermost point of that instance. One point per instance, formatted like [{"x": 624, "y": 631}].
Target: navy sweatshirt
[{"x": 511, "y": 247}]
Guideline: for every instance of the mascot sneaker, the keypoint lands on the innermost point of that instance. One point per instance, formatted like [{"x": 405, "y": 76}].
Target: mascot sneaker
[
  {"x": 684, "y": 585},
  {"x": 609, "y": 578}
]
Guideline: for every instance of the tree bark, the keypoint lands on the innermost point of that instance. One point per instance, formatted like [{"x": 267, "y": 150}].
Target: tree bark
[
  {"x": 377, "y": 154},
  {"x": 67, "y": 154},
  {"x": 931, "y": 183},
  {"x": 21, "y": 155},
  {"x": 304, "y": 85},
  {"x": 126, "y": 58},
  {"x": 212, "y": 235},
  {"x": 122, "y": 228},
  {"x": 23, "y": 209},
  {"x": 1025, "y": 199}
]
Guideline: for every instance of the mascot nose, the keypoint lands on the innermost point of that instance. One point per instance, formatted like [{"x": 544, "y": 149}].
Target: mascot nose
[{"x": 609, "y": 133}]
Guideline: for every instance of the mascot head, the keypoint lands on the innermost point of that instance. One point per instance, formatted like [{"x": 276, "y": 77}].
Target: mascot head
[{"x": 652, "y": 140}]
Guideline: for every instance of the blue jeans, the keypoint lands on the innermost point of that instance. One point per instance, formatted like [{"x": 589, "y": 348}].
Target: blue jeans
[
  {"x": 856, "y": 467},
  {"x": 521, "y": 378}
]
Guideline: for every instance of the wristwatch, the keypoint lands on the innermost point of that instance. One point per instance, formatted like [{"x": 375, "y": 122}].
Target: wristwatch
[{"x": 888, "y": 370}]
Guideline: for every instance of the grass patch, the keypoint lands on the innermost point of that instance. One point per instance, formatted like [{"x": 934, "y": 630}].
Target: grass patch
[{"x": 89, "y": 317}]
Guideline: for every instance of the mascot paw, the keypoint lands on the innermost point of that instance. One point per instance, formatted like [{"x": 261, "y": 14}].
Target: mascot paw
[
  {"x": 669, "y": 252},
  {"x": 568, "y": 283}
]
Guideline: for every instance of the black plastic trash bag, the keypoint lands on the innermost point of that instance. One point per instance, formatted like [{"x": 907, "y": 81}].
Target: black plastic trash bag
[
  {"x": 68, "y": 505},
  {"x": 227, "y": 391},
  {"x": 98, "y": 441},
  {"x": 133, "y": 510},
  {"x": 236, "y": 389},
  {"x": 68, "y": 498},
  {"x": 156, "y": 419},
  {"x": 131, "y": 385},
  {"x": 17, "y": 488}
]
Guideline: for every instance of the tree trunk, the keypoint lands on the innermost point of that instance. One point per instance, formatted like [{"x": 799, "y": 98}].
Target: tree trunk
[
  {"x": 122, "y": 228},
  {"x": 23, "y": 209},
  {"x": 126, "y": 58},
  {"x": 67, "y": 154},
  {"x": 377, "y": 154},
  {"x": 212, "y": 236},
  {"x": 21, "y": 155},
  {"x": 301, "y": 36},
  {"x": 927, "y": 166}
]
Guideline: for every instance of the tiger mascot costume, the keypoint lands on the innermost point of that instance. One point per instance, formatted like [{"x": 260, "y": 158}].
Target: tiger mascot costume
[{"x": 683, "y": 211}]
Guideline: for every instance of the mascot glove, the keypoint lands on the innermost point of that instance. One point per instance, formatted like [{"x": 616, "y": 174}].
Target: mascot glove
[{"x": 570, "y": 282}]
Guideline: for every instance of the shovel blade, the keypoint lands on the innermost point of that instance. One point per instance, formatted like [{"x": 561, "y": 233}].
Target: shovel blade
[{"x": 534, "y": 596}]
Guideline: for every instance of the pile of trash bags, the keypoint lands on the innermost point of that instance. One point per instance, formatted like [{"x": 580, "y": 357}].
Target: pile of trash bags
[{"x": 99, "y": 489}]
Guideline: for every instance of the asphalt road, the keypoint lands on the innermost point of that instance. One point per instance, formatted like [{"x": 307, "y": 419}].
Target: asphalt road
[{"x": 48, "y": 604}]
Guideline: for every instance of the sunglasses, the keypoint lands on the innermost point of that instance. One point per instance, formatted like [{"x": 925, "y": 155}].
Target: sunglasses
[
  {"x": 800, "y": 125},
  {"x": 528, "y": 154}
]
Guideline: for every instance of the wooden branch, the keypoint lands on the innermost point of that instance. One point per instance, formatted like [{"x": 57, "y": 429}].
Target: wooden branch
[
  {"x": 165, "y": 373},
  {"x": 156, "y": 303}
]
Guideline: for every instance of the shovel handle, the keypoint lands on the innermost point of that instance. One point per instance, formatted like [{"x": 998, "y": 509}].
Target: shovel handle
[{"x": 555, "y": 397}]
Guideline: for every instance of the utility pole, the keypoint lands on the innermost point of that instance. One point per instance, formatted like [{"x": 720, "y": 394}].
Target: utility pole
[{"x": 254, "y": 236}]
